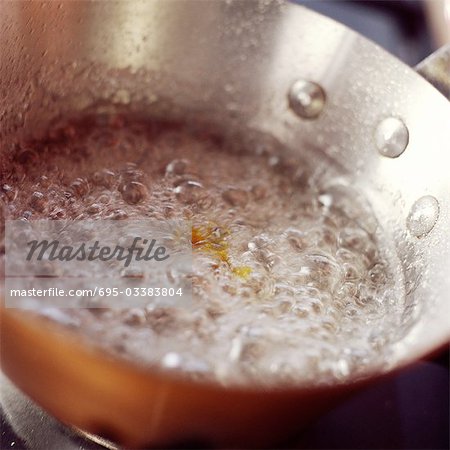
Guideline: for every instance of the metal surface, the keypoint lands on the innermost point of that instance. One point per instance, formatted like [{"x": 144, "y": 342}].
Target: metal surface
[
  {"x": 438, "y": 12},
  {"x": 436, "y": 69},
  {"x": 232, "y": 63}
]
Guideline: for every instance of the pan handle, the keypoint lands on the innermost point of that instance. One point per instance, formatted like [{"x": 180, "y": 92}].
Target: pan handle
[{"x": 436, "y": 69}]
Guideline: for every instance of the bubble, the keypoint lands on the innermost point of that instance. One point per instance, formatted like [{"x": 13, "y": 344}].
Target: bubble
[
  {"x": 95, "y": 208},
  {"x": 423, "y": 216},
  {"x": 391, "y": 137},
  {"x": 341, "y": 369},
  {"x": 268, "y": 258},
  {"x": 363, "y": 297},
  {"x": 358, "y": 241},
  {"x": 319, "y": 270},
  {"x": 177, "y": 167},
  {"x": 118, "y": 214},
  {"x": 317, "y": 280},
  {"x": 80, "y": 187},
  {"x": 9, "y": 191},
  {"x": 104, "y": 198},
  {"x": 308, "y": 306},
  {"x": 259, "y": 241},
  {"x": 44, "y": 181},
  {"x": 351, "y": 272},
  {"x": 132, "y": 272},
  {"x": 105, "y": 177},
  {"x": 171, "y": 360},
  {"x": 306, "y": 99},
  {"x": 57, "y": 213},
  {"x": 37, "y": 201},
  {"x": 259, "y": 191},
  {"x": 351, "y": 310},
  {"x": 134, "y": 317},
  {"x": 132, "y": 173},
  {"x": 189, "y": 191},
  {"x": 326, "y": 200},
  {"x": 133, "y": 192},
  {"x": 377, "y": 274},
  {"x": 235, "y": 197},
  {"x": 283, "y": 306},
  {"x": 304, "y": 291},
  {"x": 346, "y": 255},
  {"x": 297, "y": 239}
]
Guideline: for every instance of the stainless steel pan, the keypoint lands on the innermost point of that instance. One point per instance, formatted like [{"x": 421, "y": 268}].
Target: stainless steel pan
[{"x": 262, "y": 65}]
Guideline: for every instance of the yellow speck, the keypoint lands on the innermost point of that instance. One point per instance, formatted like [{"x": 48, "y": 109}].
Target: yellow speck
[
  {"x": 242, "y": 271},
  {"x": 212, "y": 239}
]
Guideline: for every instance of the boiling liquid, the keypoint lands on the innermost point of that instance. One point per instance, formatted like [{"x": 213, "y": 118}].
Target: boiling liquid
[{"x": 302, "y": 288}]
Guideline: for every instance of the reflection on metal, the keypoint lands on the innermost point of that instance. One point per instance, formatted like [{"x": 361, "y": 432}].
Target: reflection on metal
[
  {"x": 436, "y": 69},
  {"x": 438, "y": 13}
]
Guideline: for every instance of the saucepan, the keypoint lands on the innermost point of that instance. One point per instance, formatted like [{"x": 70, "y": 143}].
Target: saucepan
[{"x": 269, "y": 66}]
